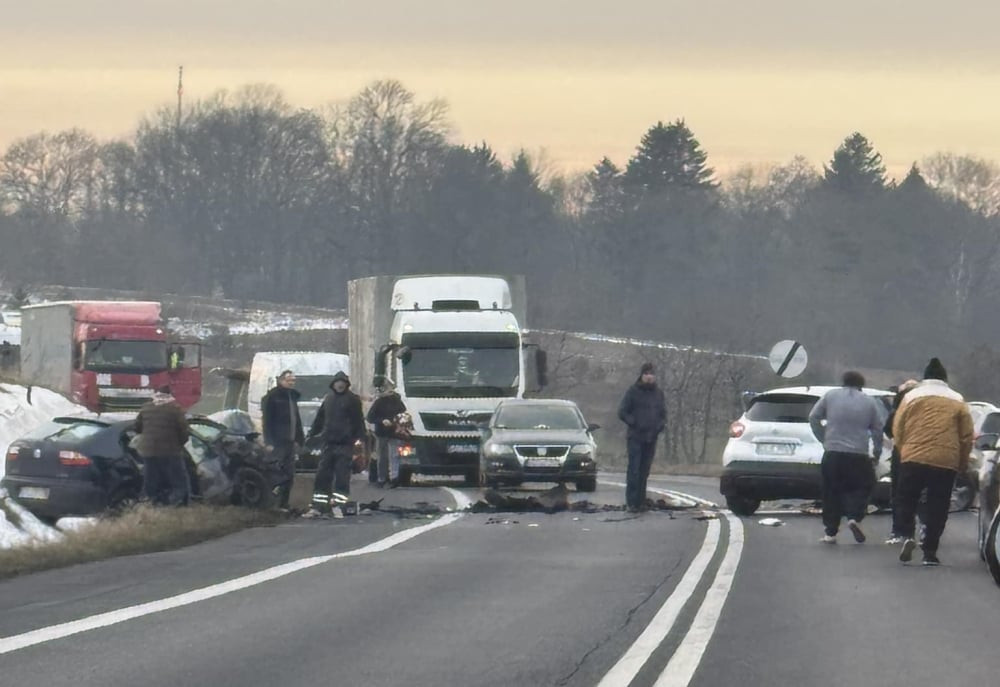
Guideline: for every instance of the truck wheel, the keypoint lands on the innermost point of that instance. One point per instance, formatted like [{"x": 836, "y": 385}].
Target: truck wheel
[
  {"x": 472, "y": 477},
  {"x": 252, "y": 491},
  {"x": 587, "y": 484},
  {"x": 405, "y": 477},
  {"x": 741, "y": 505}
]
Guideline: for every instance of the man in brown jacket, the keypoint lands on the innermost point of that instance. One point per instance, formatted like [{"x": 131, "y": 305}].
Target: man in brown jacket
[
  {"x": 163, "y": 431},
  {"x": 933, "y": 431}
]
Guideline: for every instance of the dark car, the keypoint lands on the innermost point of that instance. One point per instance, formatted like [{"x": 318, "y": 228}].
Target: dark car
[
  {"x": 83, "y": 465},
  {"x": 989, "y": 501},
  {"x": 538, "y": 441}
]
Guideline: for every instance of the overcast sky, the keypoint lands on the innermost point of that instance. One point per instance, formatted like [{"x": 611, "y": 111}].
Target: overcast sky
[{"x": 758, "y": 82}]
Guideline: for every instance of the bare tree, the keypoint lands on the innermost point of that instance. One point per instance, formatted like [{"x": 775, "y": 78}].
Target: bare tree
[
  {"x": 49, "y": 174},
  {"x": 970, "y": 180}
]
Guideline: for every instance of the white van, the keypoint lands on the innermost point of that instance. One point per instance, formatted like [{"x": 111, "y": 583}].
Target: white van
[{"x": 313, "y": 372}]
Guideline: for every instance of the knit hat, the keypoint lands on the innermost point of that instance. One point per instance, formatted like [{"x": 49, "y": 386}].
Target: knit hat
[
  {"x": 647, "y": 367},
  {"x": 935, "y": 370}
]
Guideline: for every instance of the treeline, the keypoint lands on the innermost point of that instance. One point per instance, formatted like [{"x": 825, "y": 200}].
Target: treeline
[{"x": 246, "y": 196}]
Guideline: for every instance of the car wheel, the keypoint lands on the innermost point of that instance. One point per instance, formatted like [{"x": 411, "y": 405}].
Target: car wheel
[
  {"x": 588, "y": 484},
  {"x": 993, "y": 547},
  {"x": 405, "y": 477},
  {"x": 252, "y": 490},
  {"x": 741, "y": 505},
  {"x": 122, "y": 499}
]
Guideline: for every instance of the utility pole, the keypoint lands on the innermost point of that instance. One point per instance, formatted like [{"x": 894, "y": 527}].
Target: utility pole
[{"x": 180, "y": 93}]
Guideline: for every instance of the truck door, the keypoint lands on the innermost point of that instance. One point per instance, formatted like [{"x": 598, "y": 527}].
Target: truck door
[{"x": 184, "y": 366}]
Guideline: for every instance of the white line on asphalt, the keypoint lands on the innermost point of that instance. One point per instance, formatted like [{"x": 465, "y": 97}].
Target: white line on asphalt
[
  {"x": 623, "y": 672},
  {"x": 48, "y": 634},
  {"x": 461, "y": 500},
  {"x": 685, "y": 660},
  {"x": 685, "y": 499}
]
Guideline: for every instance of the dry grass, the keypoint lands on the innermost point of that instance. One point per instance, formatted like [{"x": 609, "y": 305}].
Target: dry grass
[{"x": 141, "y": 530}]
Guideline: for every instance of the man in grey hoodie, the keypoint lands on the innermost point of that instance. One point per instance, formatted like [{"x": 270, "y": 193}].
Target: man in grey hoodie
[{"x": 848, "y": 471}]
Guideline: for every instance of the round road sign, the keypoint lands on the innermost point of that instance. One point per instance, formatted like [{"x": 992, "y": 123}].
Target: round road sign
[{"x": 788, "y": 358}]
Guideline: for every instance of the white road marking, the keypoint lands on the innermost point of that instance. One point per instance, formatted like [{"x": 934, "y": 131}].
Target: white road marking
[
  {"x": 685, "y": 660},
  {"x": 48, "y": 634},
  {"x": 625, "y": 670},
  {"x": 684, "y": 499},
  {"x": 461, "y": 500}
]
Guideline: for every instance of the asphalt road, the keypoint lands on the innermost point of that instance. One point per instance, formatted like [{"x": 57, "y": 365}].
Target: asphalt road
[{"x": 397, "y": 598}]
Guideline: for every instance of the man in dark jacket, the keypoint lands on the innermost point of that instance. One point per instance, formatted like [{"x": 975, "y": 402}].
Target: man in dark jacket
[
  {"x": 382, "y": 416},
  {"x": 341, "y": 422},
  {"x": 163, "y": 431},
  {"x": 282, "y": 424},
  {"x": 644, "y": 410}
]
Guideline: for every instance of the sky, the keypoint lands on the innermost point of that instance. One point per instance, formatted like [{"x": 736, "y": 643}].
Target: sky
[{"x": 570, "y": 80}]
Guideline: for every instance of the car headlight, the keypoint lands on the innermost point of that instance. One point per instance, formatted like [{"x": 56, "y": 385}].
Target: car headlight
[
  {"x": 499, "y": 449},
  {"x": 581, "y": 450}
]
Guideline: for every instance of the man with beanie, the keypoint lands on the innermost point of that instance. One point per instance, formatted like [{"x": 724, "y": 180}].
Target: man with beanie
[
  {"x": 382, "y": 415},
  {"x": 853, "y": 420},
  {"x": 644, "y": 410},
  {"x": 341, "y": 422},
  {"x": 163, "y": 432},
  {"x": 282, "y": 424},
  {"x": 933, "y": 430}
]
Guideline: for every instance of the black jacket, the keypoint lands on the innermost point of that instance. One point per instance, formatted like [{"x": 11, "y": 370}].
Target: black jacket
[
  {"x": 340, "y": 419},
  {"x": 280, "y": 417},
  {"x": 644, "y": 410},
  {"x": 385, "y": 407}
]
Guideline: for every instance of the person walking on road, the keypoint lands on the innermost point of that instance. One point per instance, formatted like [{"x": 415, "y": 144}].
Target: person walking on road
[
  {"x": 644, "y": 410},
  {"x": 283, "y": 432},
  {"x": 853, "y": 419},
  {"x": 382, "y": 416},
  {"x": 163, "y": 432},
  {"x": 933, "y": 430},
  {"x": 341, "y": 422}
]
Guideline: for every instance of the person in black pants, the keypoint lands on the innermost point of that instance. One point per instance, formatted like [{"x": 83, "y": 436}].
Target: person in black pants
[
  {"x": 341, "y": 422},
  {"x": 644, "y": 410},
  {"x": 282, "y": 425}
]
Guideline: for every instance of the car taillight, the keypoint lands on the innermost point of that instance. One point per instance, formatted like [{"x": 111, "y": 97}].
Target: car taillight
[
  {"x": 405, "y": 450},
  {"x": 73, "y": 458},
  {"x": 12, "y": 453},
  {"x": 736, "y": 429}
]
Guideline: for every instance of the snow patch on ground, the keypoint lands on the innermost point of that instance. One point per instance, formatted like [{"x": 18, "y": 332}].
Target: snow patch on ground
[{"x": 255, "y": 322}]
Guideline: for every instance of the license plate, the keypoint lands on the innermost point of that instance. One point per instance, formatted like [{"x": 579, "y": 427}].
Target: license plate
[
  {"x": 463, "y": 448},
  {"x": 37, "y": 493},
  {"x": 542, "y": 462},
  {"x": 776, "y": 449}
]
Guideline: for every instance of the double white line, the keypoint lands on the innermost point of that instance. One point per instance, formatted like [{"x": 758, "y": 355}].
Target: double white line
[{"x": 685, "y": 660}]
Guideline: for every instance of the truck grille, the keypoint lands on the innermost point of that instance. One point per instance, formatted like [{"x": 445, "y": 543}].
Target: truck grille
[{"x": 451, "y": 422}]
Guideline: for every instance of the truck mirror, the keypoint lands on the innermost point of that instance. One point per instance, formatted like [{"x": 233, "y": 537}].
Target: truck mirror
[
  {"x": 404, "y": 353},
  {"x": 542, "y": 366}
]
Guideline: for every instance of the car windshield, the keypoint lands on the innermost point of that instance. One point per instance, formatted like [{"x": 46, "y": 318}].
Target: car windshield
[
  {"x": 312, "y": 387},
  {"x": 105, "y": 355},
  {"x": 538, "y": 417},
  {"x": 64, "y": 431},
  {"x": 781, "y": 408}
]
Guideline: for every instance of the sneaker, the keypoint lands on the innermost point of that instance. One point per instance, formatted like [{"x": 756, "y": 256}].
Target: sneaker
[
  {"x": 895, "y": 540},
  {"x": 828, "y": 539},
  {"x": 337, "y": 512},
  {"x": 906, "y": 555},
  {"x": 931, "y": 559},
  {"x": 855, "y": 528}
]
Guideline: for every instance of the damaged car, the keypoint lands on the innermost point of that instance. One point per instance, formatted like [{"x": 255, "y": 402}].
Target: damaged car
[
  {"x": 535, "y": 440},
  {"x": 83, "y": 465}
]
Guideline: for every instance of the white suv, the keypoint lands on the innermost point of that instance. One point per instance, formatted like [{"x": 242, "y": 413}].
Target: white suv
[{"x": 772, "y": 452}]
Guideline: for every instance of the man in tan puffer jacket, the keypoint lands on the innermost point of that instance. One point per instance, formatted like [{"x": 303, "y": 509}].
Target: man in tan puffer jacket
[{"x": 933, "y": 431}]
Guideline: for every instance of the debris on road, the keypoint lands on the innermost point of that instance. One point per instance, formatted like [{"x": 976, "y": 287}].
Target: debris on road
[{"x": 771, "y": 522}]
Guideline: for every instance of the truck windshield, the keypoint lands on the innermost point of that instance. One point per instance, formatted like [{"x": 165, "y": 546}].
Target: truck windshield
[
  {"x": 105, "y": 355},
  {"x": 462, "y": 364}
]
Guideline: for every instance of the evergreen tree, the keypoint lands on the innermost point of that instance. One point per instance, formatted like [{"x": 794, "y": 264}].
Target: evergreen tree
[
  {"x": 669, "y": 157},
  {"x": 856, "y": 167}
]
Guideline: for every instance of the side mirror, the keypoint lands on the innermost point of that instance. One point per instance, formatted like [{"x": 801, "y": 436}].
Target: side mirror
[
  {"x": 542, "y": 365},
  {"x": 987, "y": 442},
  {"x": 592, "y": 426},
  {"x": 405, "y": 354}
]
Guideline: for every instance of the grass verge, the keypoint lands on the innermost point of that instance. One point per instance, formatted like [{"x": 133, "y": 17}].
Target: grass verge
[{"x": 141, "y": 530}]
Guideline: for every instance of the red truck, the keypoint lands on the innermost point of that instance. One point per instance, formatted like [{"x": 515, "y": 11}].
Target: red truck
[{"x": 106, "y": 355}]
